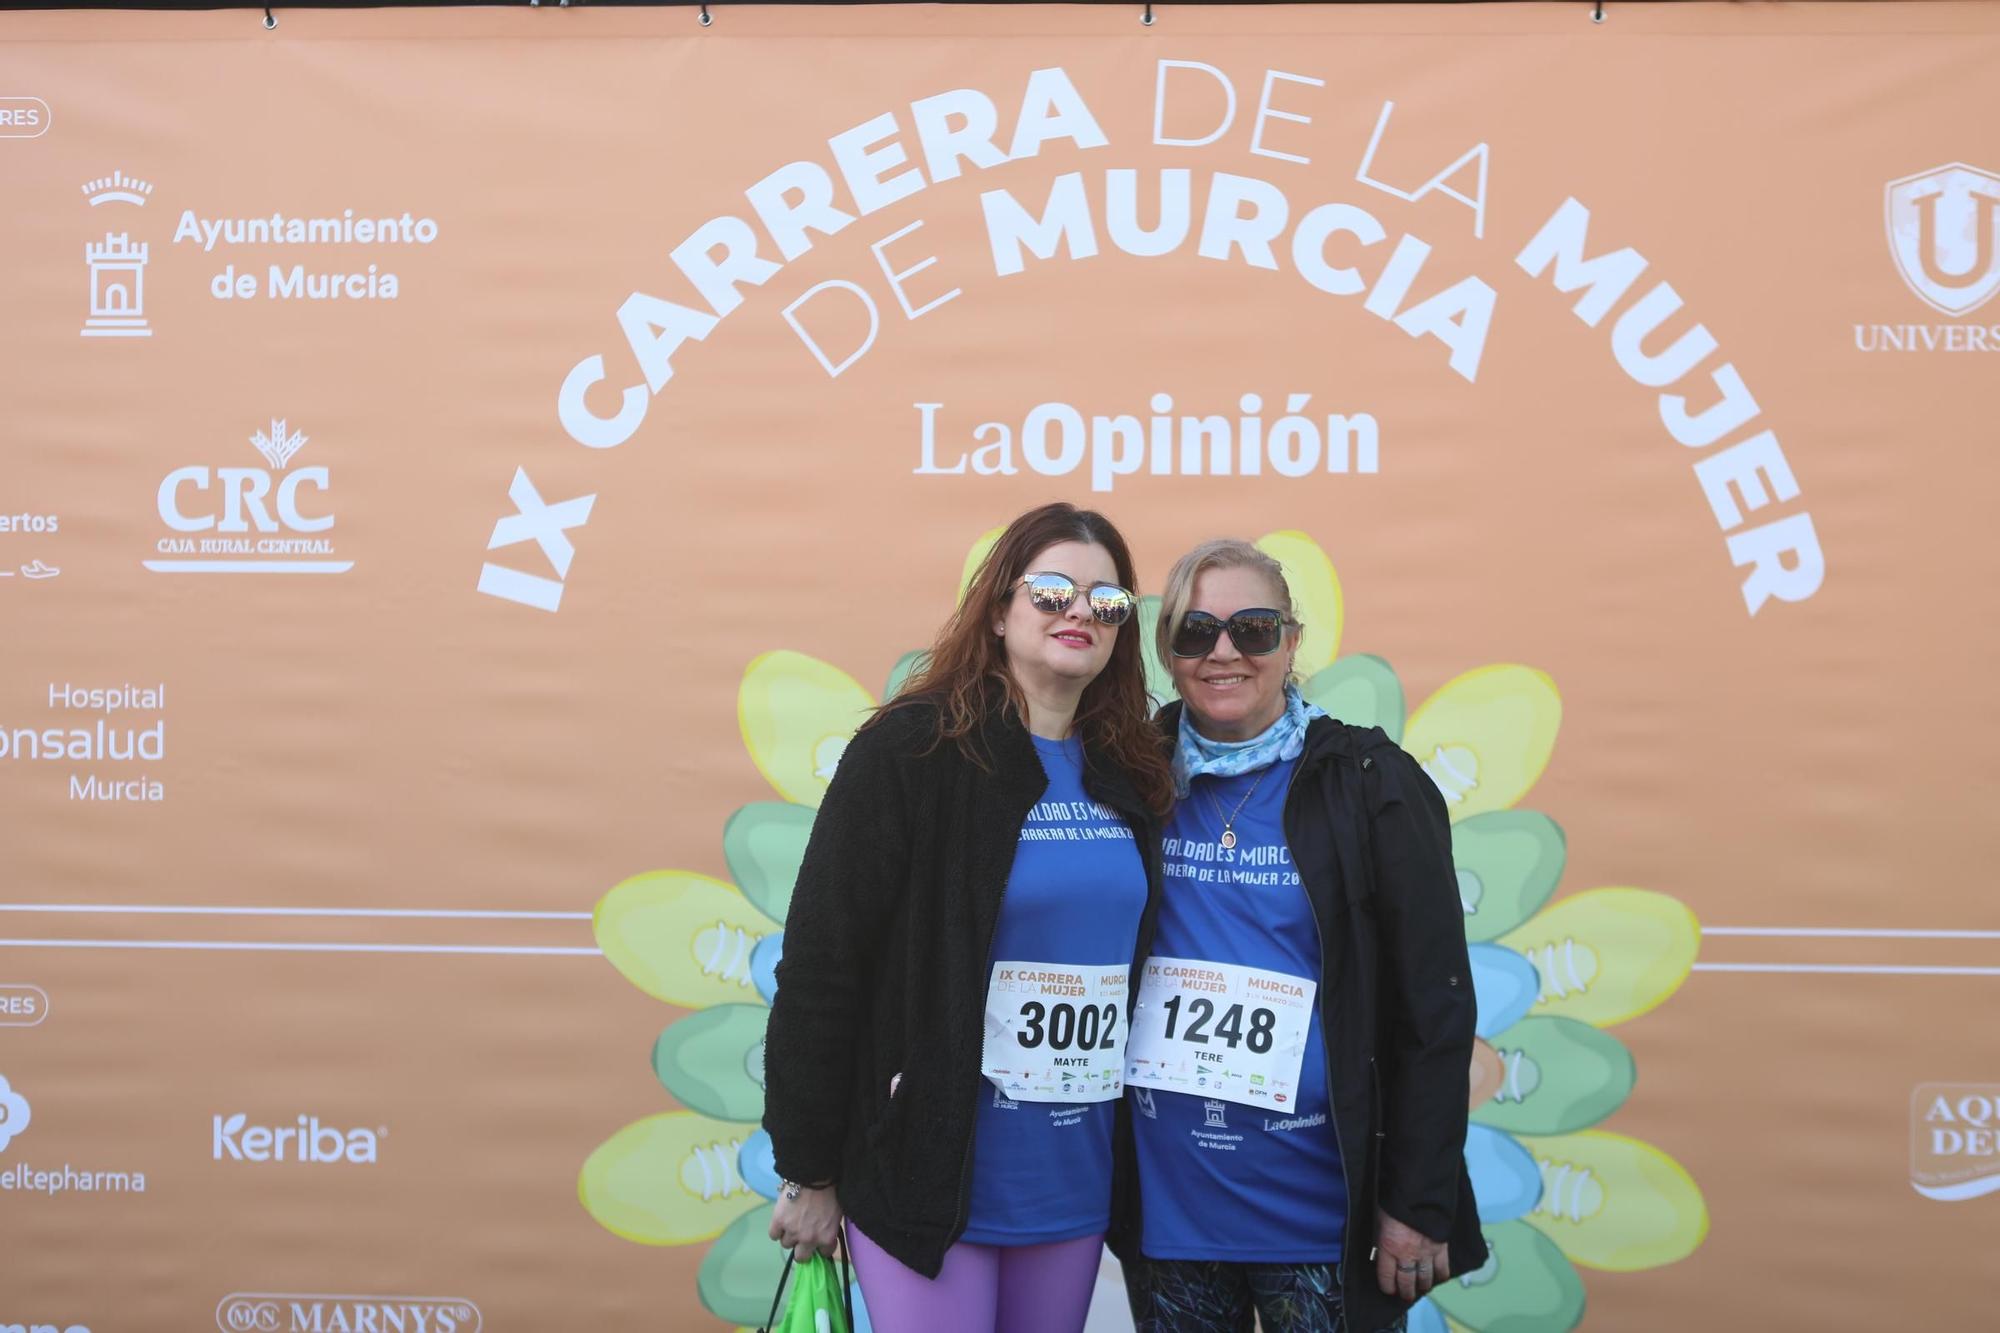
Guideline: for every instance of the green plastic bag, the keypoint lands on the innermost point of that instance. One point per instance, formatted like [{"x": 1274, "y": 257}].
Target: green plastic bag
[{"x": 818, "y": 1300}]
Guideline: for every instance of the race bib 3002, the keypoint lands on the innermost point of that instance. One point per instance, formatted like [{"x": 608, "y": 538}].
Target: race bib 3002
[{"x": 1055, "y": 1032}]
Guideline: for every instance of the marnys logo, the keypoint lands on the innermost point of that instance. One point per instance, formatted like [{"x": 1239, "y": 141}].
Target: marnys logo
[
  {"x": 285, "y": 1312},
  {"x": 236, "y": 1140},
  {"x": 1955, "y": 1140},
  {"x": 187, "y": 504}
]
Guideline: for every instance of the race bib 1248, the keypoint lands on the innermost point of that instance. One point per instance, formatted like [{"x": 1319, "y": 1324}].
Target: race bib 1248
[{"x": 1220, "y": 1030}]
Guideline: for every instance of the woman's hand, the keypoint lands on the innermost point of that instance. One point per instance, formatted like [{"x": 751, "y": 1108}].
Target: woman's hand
[
  {"x": 1407, "y": 1262},
  {"x": 809, "y": 1224}
]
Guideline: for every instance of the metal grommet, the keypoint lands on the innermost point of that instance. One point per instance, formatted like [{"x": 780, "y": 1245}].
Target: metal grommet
[
  {"x": 270, "y": 19},
  {"x": 1147, "y": 17},
  {"x": 706, "y": 17}
]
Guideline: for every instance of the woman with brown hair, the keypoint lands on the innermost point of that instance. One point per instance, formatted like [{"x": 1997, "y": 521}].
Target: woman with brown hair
[{"x": 946, "y": 1047}]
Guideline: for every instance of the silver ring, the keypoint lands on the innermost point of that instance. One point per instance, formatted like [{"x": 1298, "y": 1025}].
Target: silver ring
[{"x": 1410, "y": 1267}]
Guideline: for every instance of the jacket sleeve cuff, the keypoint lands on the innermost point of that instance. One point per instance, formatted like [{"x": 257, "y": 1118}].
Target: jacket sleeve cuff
[
  {"x": 811, "y": 1167},
  {"x": 1433, "y": 1221}
]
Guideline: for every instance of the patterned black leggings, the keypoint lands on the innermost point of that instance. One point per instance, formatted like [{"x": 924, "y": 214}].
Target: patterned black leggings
[{"x": 1202, "y": 1296}]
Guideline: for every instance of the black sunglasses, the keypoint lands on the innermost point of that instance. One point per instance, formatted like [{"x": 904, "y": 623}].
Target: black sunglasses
[
  {"x": 1052, "y": 593},
  {"x": 1256, "y": 631}
]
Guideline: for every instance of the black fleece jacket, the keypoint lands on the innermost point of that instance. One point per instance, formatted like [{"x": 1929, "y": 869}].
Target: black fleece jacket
[
  {"x": 1372, "y": 843},
  {"x": 888, "y": 947}
]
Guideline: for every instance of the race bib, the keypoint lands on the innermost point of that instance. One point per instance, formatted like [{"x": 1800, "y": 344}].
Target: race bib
[
  {"x": 1055, "y": 1032},
  {"x": 1219, "y": 1030}
]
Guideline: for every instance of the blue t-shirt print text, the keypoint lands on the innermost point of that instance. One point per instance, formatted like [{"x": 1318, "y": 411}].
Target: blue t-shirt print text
[
  {"x": 1074, "y": 821},
  {"x": 1041, "y": 1171}
]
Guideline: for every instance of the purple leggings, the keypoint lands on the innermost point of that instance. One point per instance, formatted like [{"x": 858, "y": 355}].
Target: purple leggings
[{"x": 982, "y": 1288}]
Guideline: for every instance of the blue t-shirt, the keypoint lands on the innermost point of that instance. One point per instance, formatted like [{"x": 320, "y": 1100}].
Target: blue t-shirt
[
  {"x": 1220, "y": 1180},
  {"x": 1041, "y": 1172}
]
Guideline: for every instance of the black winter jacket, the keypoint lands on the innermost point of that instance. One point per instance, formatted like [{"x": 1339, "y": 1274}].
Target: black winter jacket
[
  {"x": 1372, "y": 842},
  {"x": 888, "y": 950}
]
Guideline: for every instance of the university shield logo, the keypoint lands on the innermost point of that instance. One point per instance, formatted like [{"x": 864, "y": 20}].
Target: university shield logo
[{"x": 1944, "y": 230}]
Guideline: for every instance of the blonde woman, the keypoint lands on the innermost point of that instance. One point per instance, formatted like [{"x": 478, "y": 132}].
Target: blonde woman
[{"x": 1297, "y": 1068}]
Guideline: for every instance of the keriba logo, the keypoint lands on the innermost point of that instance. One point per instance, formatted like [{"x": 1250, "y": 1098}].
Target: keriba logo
[{"x": 306, "y": 1140}]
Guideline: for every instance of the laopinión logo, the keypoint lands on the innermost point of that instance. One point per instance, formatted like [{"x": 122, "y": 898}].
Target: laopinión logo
[
  {"x": 252, "y": 519},
  {"x": 15, "y": 1116},
  {"x": 287, "y": 1312},
  {"x": 235, "y": 1139},
  {"x": 1955, "y": 1140},
  {"x": 1944, "y": 236}
]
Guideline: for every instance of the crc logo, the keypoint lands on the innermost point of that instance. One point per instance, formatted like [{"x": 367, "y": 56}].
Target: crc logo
[
  {"x": 1944, "y": 231},
  {"x": 285, "y": 1312},
  {"x": 1955, "y": 1140},
  {"x": 14, "y": 1115},
  {"x": 244, "y": 489},
  {"x": 306, "y": 1140},
  {"x": 250, "y": 520}
]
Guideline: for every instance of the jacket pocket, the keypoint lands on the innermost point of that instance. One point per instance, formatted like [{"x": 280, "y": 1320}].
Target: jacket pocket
[{"x": 891, "y": 1110}]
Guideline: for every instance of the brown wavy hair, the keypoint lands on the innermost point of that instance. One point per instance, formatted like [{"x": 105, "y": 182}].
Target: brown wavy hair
[{"x": 965, "y": 675}]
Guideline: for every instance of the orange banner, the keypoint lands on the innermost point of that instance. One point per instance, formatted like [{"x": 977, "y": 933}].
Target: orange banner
[{"x": 466, "y": 472}]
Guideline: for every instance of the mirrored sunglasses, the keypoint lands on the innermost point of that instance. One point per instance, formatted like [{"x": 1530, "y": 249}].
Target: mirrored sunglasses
[{"x": 1053, "y": 593}]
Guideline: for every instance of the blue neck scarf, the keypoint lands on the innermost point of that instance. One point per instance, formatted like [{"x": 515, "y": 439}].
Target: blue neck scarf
[{"x": 1283, "y": 740}]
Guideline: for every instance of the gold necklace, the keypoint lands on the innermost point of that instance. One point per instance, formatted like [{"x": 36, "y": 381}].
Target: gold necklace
[{"x": 1228, "y": 839}]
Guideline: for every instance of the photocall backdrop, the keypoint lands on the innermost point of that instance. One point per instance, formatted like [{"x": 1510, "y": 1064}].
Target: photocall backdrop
[{"x": 467, "y": 472}]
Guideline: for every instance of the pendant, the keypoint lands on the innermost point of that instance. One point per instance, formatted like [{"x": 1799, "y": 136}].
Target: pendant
[{"x": 1229, "y": 840}]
